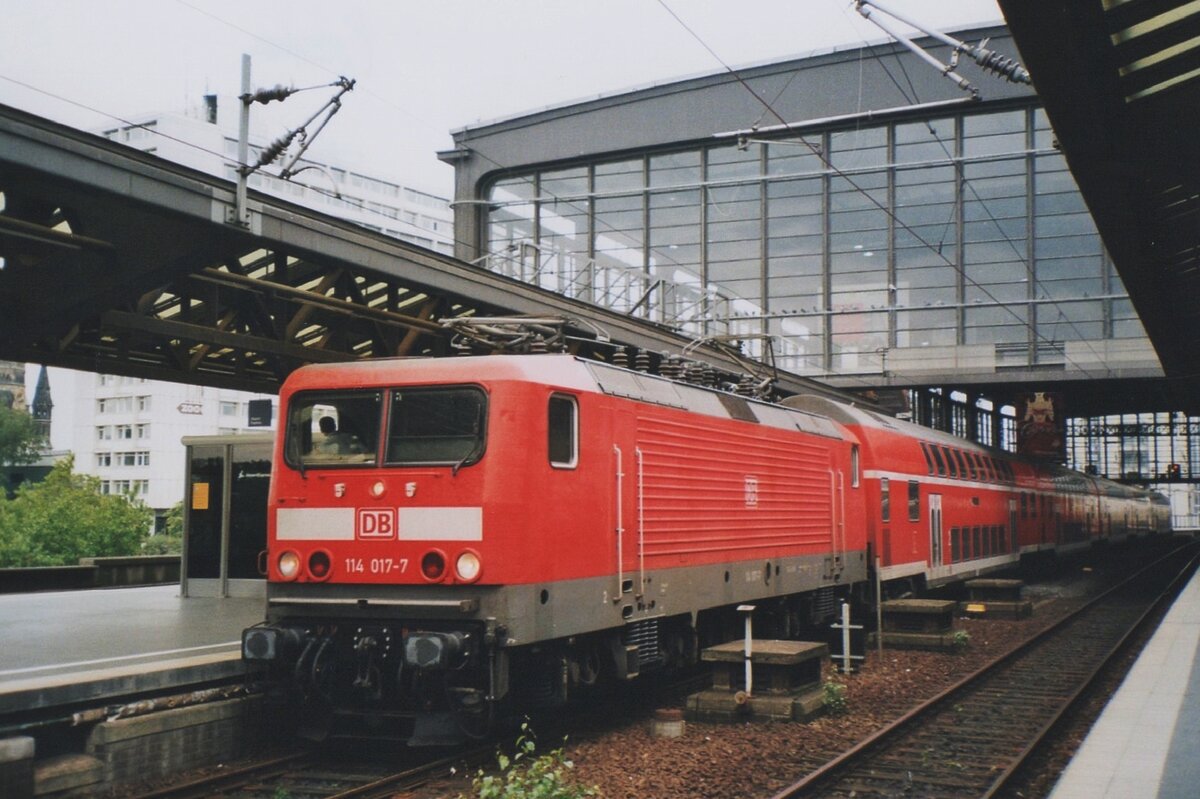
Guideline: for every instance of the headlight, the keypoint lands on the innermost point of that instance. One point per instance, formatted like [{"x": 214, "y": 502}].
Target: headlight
[
  {"x": 377, "y": 489},
  {"x": 289, "y": 565},
  {"x": 468, "y": 566}
]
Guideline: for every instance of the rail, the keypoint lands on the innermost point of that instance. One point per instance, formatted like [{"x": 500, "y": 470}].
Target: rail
[{"x": 970, "y": 739}]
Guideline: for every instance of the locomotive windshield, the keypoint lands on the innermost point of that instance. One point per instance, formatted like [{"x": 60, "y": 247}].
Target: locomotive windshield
[
  {"x": 333, "y": 428},
  {"x": 436, "y": 425},
  {"x": 425, "y": 426}
]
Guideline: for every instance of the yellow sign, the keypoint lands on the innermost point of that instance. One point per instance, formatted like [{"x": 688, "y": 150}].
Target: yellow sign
[
  {"x": 199, "y": 496},
  {"x": 976, "y": 607}
]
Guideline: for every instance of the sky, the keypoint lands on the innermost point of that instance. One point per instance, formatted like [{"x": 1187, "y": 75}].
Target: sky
[{"x": 423, "y": 68}]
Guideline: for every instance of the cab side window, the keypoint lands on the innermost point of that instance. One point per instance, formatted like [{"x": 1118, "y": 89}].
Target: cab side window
[{"x": 563, "y": 417}]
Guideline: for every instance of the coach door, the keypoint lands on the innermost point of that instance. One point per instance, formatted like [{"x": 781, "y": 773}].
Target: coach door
[
  {"x": 936, "y": 561},
  {"x": 1015, "y": 540}
]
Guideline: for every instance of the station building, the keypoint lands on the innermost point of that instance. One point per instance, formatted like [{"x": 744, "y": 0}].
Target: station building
[{"x": 879, "y": 226}]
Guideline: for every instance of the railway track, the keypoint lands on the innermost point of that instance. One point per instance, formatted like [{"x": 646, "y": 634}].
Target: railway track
[
  {"x": 305, "y": 775},
  {"x": 969, "y": 740}
]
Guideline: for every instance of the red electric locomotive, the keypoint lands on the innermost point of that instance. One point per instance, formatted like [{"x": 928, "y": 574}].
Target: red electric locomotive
[{"x": 447, "y": 534}]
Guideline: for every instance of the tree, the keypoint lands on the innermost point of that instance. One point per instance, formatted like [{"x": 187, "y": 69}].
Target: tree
[
  {"x": 169, "y": 540},
  {"x": 65, "y": 518},
  {"x": 20, "y": 441}
]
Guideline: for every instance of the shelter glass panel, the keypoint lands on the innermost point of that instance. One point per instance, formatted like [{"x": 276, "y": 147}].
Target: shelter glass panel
[
  {"x": 924, "y": 142},
  {"x": 619, "y": 232},
  {"x": 511, "y": 217},
  {"x": 620, "y": 176},
  {"x": 563, "y": 246},
  {"x": 861, "y": 148},
  {"x": 801, "y": 343},
  {"x": 562, "y": 183},
  {"x": 1125, "y": 321},
  {"x": 858, "y": 341},
  {"x": 733, "y": 239},
  {"x": 675, "y": 233},
  {"x": 675, "y": 169},
  {"x": 994, "y": 133},
  {"x": 729, "y": 162},
  {"x": 794, "y": 157},
  {"x": 1071, "y": 321},
  {"x": 996, "y": 324},
  {"x": 931, "y": 328}
]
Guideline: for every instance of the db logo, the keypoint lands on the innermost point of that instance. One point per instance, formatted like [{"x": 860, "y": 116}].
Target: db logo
[{"x": 376, "y": 523}]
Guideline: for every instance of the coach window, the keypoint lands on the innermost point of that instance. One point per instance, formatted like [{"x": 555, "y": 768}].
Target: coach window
[
  {"x": 564, "y": 431},
  {"x": 914, "y": 500},
  {"x": 928, "y": 458},
  {"x": 885, "y": 500},
  {"x": 962, "y": 463},
  {"x": 854, "y": 477},
  {"x": 951, "y": 466},
  {"x": 955, "y": 545},
  {"x": 937, "y": 457},
  {"x": 1024, "y": 505}
]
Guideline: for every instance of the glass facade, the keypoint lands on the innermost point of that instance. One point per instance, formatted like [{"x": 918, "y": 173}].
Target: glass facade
[{"x": 847, "y": 246}]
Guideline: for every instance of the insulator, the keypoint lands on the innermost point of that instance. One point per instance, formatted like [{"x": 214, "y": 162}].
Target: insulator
[
  {"x": 641, "y": 361},
  {"x": 671, "y": 367},
  {"x": 538, "y": 345},
  {"x": 264, "y": 96},
  {"x": 1002, "y": 65},
  {"x": 621, "y": 358},
  {"x": 745, "y": 386},
  {"x": 273, "y": 150}
]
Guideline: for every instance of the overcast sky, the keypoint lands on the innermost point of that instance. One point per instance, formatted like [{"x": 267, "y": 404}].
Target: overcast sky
[{"x": 423, "y": 68}]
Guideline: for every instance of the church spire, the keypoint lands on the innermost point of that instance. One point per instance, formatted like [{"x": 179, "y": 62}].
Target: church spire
[{"x": 42, "y": 406}]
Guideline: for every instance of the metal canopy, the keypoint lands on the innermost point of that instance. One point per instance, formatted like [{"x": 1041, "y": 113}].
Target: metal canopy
[
  {"x": 117, "y": 261},
  {"x": 1120, "y": 82}
]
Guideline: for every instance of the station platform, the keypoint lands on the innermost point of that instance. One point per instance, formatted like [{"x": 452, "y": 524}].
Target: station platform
[
  {"x": 71, "y": 648},
  {"x": 1146, "y": 743}
]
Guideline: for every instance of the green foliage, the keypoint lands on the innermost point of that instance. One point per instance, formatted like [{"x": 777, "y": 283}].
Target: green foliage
[
  {"x": 65, "y": 517},
  {"x": 174, "y": 526},
  {"x": 170, "y": 540},
  {"x": 19, "y": 438},
  {"x": 526, "y": 775},
  {"x": 960, "y": 640},
  {"x": 834, "y": 694},
  {"x": 162, "y": 544}
]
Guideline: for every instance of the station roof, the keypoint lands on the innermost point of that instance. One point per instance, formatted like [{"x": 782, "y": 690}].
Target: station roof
[{"x": 1120, "y": 82}]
